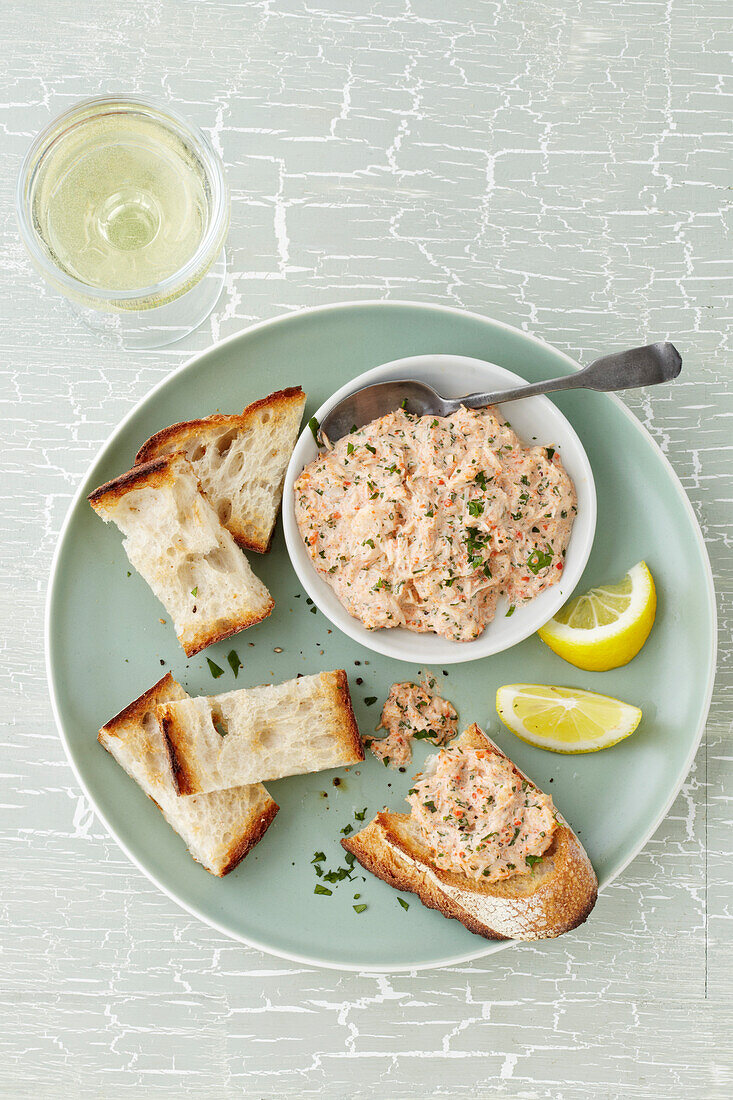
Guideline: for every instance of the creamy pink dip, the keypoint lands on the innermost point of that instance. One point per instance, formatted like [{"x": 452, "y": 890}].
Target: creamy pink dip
[
  {"x": 424, "y": 522},
  {"x": 479, "y": 816},
  {"x": 413, "y": 712}
]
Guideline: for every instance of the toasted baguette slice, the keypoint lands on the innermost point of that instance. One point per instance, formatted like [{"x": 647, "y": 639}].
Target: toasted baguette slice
[
  {"x": 174, "y": 539},
  {"x": 557, "y": 895},
  {"x": 218, "y": 829},
  {"x": 240, "y": 461},
  {"x": 303, "y": 725}
]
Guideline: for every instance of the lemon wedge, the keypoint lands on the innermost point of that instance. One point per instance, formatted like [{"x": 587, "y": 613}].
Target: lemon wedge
[
  {"x": 607, "y": 626},
  {"x": 565, "y": 719}
]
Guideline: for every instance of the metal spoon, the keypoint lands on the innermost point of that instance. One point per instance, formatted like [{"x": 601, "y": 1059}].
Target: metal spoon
[{"x": 646, "y": 366}]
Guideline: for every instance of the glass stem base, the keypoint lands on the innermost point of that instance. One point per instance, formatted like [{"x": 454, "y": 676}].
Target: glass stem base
[{"x": 161, "y": 325}]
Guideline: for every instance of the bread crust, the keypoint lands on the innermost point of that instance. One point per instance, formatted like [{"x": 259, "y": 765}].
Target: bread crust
[
  {"x": 240, "y": 849},
  {"x": 135, "y": 710},
  {"x": 542, "y": 904},
  {"x": 224, "y": 629},
  {"x": 349, "y": 733},
  {"x": 151, "y": 474},
  {"x": 175, "y": 738},
  {"x": 177, "y": 436}
]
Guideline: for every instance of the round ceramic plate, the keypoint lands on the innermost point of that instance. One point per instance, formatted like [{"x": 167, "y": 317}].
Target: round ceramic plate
[
  {"x": 534, "y": 420},
  {"x": 105, "y": 645}
]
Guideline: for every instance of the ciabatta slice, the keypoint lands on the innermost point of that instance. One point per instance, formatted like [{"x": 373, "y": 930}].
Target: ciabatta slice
[
  {"x": 219, "y": 828},
  {"x": 261, "y": 733},
  {"x": 240, "y": 461},
  {"x": 175, "y": 540},
  {"x": 554, "y": 897}
]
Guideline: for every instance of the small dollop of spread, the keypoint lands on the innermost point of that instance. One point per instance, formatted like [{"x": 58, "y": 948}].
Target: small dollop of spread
[
  {"x": 413, "y": 712},
  {"x": 423, "y": 522},
  {"x": 479, "y": 816}
]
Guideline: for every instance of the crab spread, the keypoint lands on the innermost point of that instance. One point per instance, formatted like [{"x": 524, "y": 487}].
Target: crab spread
[
  {"x": 479, "y": 816},
  {"x": 423, "y": 522},
  {"x": 413, "y": 712}
]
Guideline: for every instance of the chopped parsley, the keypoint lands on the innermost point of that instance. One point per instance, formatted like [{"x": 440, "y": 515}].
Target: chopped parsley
[
  {"x": 214, "y": 669},
  {"x": 234, "y": 662},
  {"x": 315, "y": 427},
  {"x": 539, "y": 559},
  {"x": 359, "y": 908},
  {"x": 322, "y": 890},
  {"x": 403, "y": 903}
]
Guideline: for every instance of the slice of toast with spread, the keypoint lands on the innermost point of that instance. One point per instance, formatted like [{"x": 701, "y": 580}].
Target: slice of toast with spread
[
  {"x": 240, "y": 461},
  {"x": 175, "y": 540},
  {"x": 261, "y": 733},
  {"x": 219, "y": 829},
  {"x": 556, "y": 895}
]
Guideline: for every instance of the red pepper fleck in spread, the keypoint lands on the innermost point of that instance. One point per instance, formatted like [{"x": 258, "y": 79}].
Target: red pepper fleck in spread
[
  {"x": 413, "y": 712},
  {"x": 424, "y": 522},
  {"x": 479, "y": 816}
]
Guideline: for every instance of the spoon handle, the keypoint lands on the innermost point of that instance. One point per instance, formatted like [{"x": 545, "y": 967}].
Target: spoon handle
[{"x": 644, "y": 366}]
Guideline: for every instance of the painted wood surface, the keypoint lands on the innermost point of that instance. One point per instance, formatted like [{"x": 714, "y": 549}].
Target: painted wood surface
[{"x": 561, "y": 166}]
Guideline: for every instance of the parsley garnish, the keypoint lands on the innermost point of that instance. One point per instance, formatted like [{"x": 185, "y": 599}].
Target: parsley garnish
[
  {"x": 538, "y": 559},
  {"x": 475, "y": 508},
  {"x": 359, "y": 908},
  {"x": 403, "y": 903},
  {"x": 234, "y": 662},
  {"x": 511, "y": 611},
  {"x": 370, "y": 700},
  {"x": 550, "y": 452},
  {"x": 322, "y": 890},
  {"x": 531, "y": 860},
  {"x": 314, "y": 427},
  {"x": 215, "y": 671},
  {"x": 318, "y": 857},
  {"x": 360, "y": 815},
  {"x": 195, "y": 591},
  {"x": 349, "y": 448}
]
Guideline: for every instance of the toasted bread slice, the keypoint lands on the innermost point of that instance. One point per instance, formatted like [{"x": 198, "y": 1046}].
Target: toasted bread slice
[
  {"x": 219, "y": 828},
  {"x": 175, "y": 540},
  {"x": 555, "y": 896},
  {"x": 240, "y": 461},
  {"x": 247, "y": 736}
]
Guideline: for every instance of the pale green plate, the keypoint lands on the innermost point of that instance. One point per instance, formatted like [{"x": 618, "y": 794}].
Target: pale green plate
[{"x": 105, "y": 645}]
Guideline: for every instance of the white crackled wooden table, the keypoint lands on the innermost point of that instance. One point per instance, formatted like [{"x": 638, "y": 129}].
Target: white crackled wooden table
[{"x": 560, "y": 166}]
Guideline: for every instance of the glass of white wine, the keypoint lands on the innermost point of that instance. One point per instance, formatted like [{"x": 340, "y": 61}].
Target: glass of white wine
[{"x": 124, "y": 208}]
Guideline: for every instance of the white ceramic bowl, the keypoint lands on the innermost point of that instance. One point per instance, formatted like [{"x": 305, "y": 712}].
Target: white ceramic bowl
[{"x": 453, "y": 376}]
